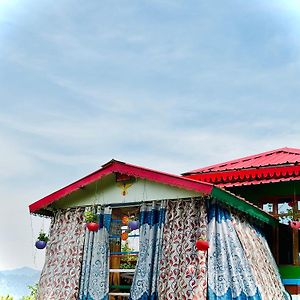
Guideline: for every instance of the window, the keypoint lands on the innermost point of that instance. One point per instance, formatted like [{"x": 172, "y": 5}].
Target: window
[{"x": 124, "y": 249}]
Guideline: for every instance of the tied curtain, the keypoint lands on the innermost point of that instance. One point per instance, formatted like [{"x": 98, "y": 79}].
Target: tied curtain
[
  {"x": 145, "y": 281},
  {"x": 230, "y": 275},
  {"x": 260, "y": 259},
  {"x": 60, "y": 275},
  {"x": 183, "y": 270},
  {"x": 94, "y": 283}
]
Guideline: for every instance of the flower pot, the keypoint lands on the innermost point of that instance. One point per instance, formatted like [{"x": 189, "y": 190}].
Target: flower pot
[
  {"x": 202, "y": 245},
  {"x": 124, "y": 236},
  {"x": 133, "y": 225},
  {"x": 40, "y": 244},
  {"x": 125, "y": 220},
  {"x": 92, "y": 226}
]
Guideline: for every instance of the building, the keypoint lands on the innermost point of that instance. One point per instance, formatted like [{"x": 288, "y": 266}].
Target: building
[
  {"x": 271, "y": 181},
  {"x": 159, "y": 260}
]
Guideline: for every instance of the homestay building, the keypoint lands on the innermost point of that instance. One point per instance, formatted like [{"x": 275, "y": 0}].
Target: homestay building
[
  {"x": 271, "y": 181},
  {"x": 157, "y": 236}
]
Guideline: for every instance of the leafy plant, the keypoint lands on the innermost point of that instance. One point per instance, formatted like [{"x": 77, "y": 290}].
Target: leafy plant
[
  {"x": 33, "y": 292},
  {"x": 90, "y": 216},
  {"x": 8, "y": 297},
  {"x": 127, "y": 261},
  {"x": 43, "y": 237}
]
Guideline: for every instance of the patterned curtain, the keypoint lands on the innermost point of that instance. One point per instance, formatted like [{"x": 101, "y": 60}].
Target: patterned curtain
[
  {"x": 183, "y": 269},
  {"x": 94, "y": 283},
  {"x": 229, "y": 273},
  {"x": 145, "y": 281},
  {"x": 60, "y": 275},
  {"x": 261, "y": 260}
]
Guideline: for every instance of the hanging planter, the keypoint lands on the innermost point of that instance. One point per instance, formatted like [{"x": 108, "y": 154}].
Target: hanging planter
[
  {"x": 125, "y": 220},
  {"x": 133, "y": 224},
  {"x": 202, "y": 245},
  {"x": 91, "y": 221},
  {"x": 42, "y": 240},
  {"x": 124, "y": 236}
]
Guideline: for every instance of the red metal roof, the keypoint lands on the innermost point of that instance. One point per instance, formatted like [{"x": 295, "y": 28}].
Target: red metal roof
[
  {"x": 279, "y": 157},
  {"x": 115, "y": 166}
]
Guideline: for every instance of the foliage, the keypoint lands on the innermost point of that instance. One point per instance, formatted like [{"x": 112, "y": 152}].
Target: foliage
[
  {"x": 33, "y": 292},
  {"x": 90, "y": 216},
  {"x": 43, "y": 237},
  {"x": 128, "y": 261},
  {"x": 8, "y": 297}
]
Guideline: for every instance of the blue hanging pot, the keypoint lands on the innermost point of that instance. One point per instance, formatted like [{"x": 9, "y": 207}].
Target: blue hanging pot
[{"x": 40, "y": 244}]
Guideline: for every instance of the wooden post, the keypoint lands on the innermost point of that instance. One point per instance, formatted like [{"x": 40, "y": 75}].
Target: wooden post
[
  {"x": 275, "y": 243},
  {"x": 295, "y": 247}
]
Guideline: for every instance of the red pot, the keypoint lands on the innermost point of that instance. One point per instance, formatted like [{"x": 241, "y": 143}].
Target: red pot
[
  {"x": 92, "y": 226},
  {"x": 202, "y": 245}
]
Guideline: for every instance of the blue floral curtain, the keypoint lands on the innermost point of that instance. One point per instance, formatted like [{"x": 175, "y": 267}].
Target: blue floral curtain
[
  {"x": 229, "y": 273},
  {"x": 145, "y": 281},
  {"x": 95, "y": 266}
]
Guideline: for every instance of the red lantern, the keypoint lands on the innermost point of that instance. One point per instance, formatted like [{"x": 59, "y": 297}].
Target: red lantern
[
  {"x": 202, "y": 245},
  {"x": 295, "y": 224},
  {"x": 92, "y": 226},
  {"x": 291, "y": 203}
]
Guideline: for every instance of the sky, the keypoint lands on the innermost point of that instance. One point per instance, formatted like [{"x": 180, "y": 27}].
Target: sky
[{"x": 170, "y": 85}]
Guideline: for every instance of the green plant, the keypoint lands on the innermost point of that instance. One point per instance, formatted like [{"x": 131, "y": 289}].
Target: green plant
[
  {"x": 8, "y": 297},
  {"x": 33, "y": 292},
  {"x": 127, "y": 261},
  {"x": 43, "y": 237},
  {"x": 90, "y": 216}
]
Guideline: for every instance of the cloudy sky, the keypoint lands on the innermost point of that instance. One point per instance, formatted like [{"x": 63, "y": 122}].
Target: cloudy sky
[{"x": 171, "y": 85}]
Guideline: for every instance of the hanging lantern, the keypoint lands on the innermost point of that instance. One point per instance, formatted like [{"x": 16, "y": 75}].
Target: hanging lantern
[
  {"x": 202, "y": 245},
  {"x": 291, "y": 203},
  {"x": 133, "y": 225},
  {"x": 124, "y": 236},
  {"x": 40, "y": 244}
]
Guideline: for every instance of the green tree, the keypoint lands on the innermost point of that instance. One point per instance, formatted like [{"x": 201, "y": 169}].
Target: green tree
[{"x": 8, "y": 297}]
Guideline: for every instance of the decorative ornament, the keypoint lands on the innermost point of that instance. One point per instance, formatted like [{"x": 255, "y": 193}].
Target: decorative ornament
[
  {"x": 91, "y": 221},
  {"x": 202, "y": 245},
  {"x": 291, "y": 203},
  {"x": 42, "y": 240},
  {"x": 124, "y": 236}
]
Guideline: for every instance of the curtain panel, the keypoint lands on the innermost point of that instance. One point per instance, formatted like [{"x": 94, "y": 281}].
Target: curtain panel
[
  {"x": 145, "y": 281},
  {"x": 261, "y": 260},
  {"x": 230, "y": 275},
  {"x": 183, "y": 270},
  {"x": 60, "y": 275},
  {"x": 94, "y": 283}
]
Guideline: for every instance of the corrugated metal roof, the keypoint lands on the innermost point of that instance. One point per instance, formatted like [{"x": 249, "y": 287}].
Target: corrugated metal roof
[{"x": 278, "y": 157}]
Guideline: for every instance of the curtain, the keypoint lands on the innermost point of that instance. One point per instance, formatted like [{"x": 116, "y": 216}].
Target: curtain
[
  {"x": 60, "y": 275},
  {"x": 94, "y": 283},
  {"x": 183, "y": 272},
  {"x": 145, "y": 281},
  {"x": 260, "y": 259},
  {"x": 229, "y": 273}
]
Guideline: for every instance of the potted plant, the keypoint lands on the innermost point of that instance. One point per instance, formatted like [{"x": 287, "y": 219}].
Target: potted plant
[
  {"x": 41, "y": 240},
  {"x": 133, "y": 223},
  {"x": 91, "y": 221},
  {"x": 202, "y": 244}
]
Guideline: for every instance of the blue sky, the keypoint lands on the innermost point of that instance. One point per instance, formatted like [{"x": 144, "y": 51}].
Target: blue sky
[{"x": 171, "y": 85}]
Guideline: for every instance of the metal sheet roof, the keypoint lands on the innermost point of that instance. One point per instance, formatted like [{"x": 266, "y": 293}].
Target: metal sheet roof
[{"x": 278, "y": 157}]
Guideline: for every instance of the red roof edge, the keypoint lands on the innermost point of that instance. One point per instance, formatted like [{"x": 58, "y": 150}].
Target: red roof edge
[
  {"x": 208, "y": 168},
  {"x": 123, "y": 168}
]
